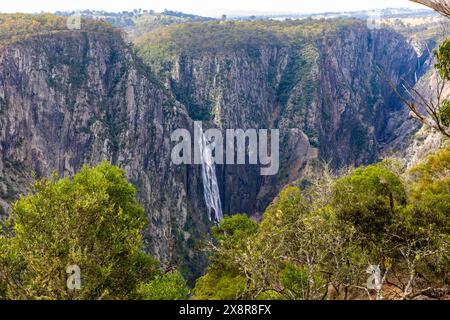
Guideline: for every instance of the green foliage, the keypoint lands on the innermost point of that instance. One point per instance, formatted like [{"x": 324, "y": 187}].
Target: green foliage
[
  {"x": 368, "y": 198},
  {"x": 298, "y": 72},
  {"x": 18, "y": 26},
  {"x": 443, "y": 59},
  {"x": 223, "y": 279},
  {"x": 294, "y": 279},
  {"x": 327, "y": 235},
  {"x": 162, "y": 46},
  {"x": 234, "y": 228},
  {"x": 146, "y": 23},
  {"x": 289, "y": 206},
  {"x": 217, "y": 285},
  {"x": 169, "y": 286},
  {"x": 299, "y": 241},
  {"x": 444, "y": 113},
  {"x": 13, "y": 25},
  {"x": 93, "y": 221},
  {"x": 430, "y": 190}
]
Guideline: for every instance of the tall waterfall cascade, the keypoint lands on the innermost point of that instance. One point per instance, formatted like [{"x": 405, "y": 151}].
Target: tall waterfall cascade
[{"x": 210, "y": 185}]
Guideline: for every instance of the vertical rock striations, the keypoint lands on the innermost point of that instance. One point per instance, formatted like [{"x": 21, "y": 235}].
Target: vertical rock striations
[
  {"x": 75, "y": 98},
  {"x": 321, "y": 83}
]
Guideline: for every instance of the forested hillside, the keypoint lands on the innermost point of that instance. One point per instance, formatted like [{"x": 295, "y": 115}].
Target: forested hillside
[
  {"x": 87, "y": 177},
  {"x": 317, "y": 242}
]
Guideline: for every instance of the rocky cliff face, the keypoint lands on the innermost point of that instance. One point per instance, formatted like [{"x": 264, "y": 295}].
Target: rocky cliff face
[
  {"x": 69, "y": 98},
  {"x": 413, "y": 142},
  {"x": 326, "y": 93},
  {"x": 75, "y": 98}
]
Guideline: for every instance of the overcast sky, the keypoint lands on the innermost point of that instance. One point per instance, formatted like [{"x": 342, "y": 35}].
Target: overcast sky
[{"x": 203, "y": 7}]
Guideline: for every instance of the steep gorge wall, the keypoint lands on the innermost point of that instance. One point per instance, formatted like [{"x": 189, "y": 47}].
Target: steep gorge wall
[
  {"x": 75, "y": 98},
  {"x": 327, "y": 94}
]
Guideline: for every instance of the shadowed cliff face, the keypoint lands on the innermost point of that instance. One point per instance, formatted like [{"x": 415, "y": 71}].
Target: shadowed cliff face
[
  {"x": 74, "y": 98},
  {"x": 356, "y": 95},
  {"x": 77, "y": 98},
  {"x": 326, "y": 93}
]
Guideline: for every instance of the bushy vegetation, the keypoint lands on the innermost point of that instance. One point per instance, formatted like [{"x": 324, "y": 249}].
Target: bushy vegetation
[
  {"x": 314, "y": 243},
  {"x": 14, "y": 27},
  {"x": 224, "y": 281},
  {"x": 147, "y": 22},
  {"x": 442, "y": 55},
  {"x": 317, "y": 243},
  {"x": 161, "y": 46},
  {"x": 443, "y": 59},
  {"x": 138, "y": 21},
  {"x": 92, "y": 221},
  {"x": 170, "y": 286}
]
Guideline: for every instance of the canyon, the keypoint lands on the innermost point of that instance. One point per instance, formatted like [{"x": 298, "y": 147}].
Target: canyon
[{"x": 69, "y": 98}]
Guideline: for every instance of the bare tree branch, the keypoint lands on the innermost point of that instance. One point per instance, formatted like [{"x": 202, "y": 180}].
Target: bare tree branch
[
  {"x": 424, "y": 110},
  {"x": 441, "y": 6}
]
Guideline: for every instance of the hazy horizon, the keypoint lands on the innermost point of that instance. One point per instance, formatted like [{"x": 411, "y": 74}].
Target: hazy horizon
[{"x": 210, "y": 8}]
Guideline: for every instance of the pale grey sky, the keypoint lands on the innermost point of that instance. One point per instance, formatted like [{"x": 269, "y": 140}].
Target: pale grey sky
[{"x": 203, "y": 7}]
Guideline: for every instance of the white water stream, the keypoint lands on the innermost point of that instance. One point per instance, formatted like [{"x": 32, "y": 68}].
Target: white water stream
[{"x": 210, "y": 185}]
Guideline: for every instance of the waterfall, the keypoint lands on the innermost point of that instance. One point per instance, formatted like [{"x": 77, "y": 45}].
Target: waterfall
[
  {"x": 210, "y": 185},
  {"x": 415, "y": 72}
]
